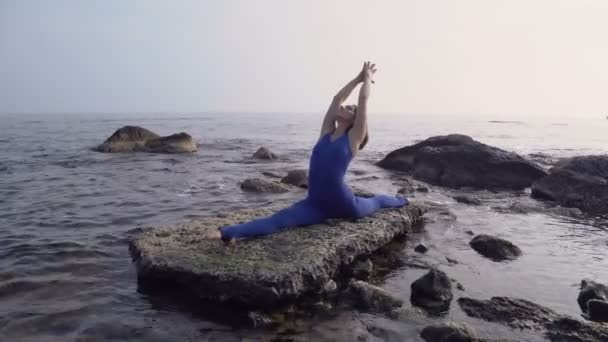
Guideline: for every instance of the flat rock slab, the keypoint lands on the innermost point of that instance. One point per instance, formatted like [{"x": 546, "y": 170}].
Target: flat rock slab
[{"x": 266, "y": 271}]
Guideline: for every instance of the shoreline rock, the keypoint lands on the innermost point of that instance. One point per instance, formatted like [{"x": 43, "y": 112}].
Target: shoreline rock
[
  {"x": 139, "y": 139},
  {"x": 495, "y": 248},
  {"x": 297, "y": 178},
  {"x": 593, "y": 300},
  {"x": 261, "y": 272},
  {"x": 457, "y": 161},
  {"x": 263, "y": 186},
  {"x": 372, "y": 298},
  {"x": 264, "y": 153},
  {"x": 433, "y": 291}
]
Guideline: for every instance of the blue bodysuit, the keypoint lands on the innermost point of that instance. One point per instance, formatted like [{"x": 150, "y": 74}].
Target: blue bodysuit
[{"x": 328, "y": 196}]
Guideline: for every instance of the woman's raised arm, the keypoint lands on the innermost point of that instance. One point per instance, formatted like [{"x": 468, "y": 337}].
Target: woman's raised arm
[
  {"x": 359, "y": 131},
  {"x": 330, "y": 117}
]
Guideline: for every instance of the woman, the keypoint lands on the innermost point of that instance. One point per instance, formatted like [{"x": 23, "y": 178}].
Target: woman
[{"x": 343, "y": 134}]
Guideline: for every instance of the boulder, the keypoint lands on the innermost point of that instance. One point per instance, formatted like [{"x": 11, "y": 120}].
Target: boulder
[
  {"x": 514, "y": 312},
  {"x": 579, "y": 182},
  {"x": 264, "y": 154},
  {"x": 495, "y": 248},
  {"x": 467, "y": 200},
  {"x": 597, "y": 310},
  {"x": 138, "y": 139},
  {"x": 448, "y": 332},
  {"x": 457, "y": 161},
  {"x": 262, "y": 185},
  {"x": 421, "y": 248},
  {"x": 298, "y": 178},
  {"x": 433, "y": 291},
  {"x": 568, "y": 329},
  {"x": 265, "y": 271},
  {"x": 372, "y": 298},
  {"x": 591, "y": 290}
]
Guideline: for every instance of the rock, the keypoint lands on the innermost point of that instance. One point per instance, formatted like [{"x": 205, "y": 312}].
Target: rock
[
  {"x": 298, "y": 178},
  {"x": 363, "y": 269},
  {"x": 266, "y": 271},
  {"x": 433, "y": 291},
  {"x": 495, "y": 248},
  {"x": 138, "y": 139},
  {"x": 422, "y": 189},
  {"x": 567, "y": 329},
  {"x": 467, "y": 200},
  {"x": 421, "y": 248},
  {"x": 470, "y": 232},
  {"x": 264, "y": 154},
  {"x": 451, "y": 261},
  {"x": 579, "y": 182},
  {"x": 405, "y": 190},
  {"x": 448, "y": 332},
  {"x": 597, "y": 310},
  {"x": 271, "y": 174},
  {"x": 514, "y": 312},
  {"x": 262, "y": 185},
  {"x": 372, "y": 298},
  {"x": 457, "y": 161},
  {"x": 259, "y": 319},
  {"x": 362, "y": 192},
  {"x": 330, "y": 286},
  {"x": 591, "y": 290}
]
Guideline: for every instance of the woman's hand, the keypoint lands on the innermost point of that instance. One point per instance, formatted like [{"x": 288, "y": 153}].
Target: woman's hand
[{"x": 367, "y": 72}]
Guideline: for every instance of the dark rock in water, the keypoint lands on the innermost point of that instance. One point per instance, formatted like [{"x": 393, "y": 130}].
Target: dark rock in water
[
  {"x": 495, "y": 248},
  {"x": 448, "y": 332},
  {"x": 433, "y": 291},
  {"x": 457, "y": 161},
  {"x": 591, "y": 290},
  {"x": 264, "y": 154},
  {"x": 363, "y": 269},
  {"x": 451, "y": 261},
  {"x": 597, "y": 310},
  {"x": 298, "y": 178},
  {"x": 262, "y": 185},
  {"x": 470, "y": 232},
  {"x": 514, "y": 312},
  {"x": 271, "y": 174},
  {"x": 579, "y": 182},
  {"x": 405, "y": 190},
  {"x": 567, "y": 329},
  {"x": 266, "y": 271},
  {"x": 372, "y": 298},
  {"x": 467, "y": 200},
  {"x": 421, "y": 248},
  {"x": 422, "y": 189},
  {"x": 138, "y": 139},
  {"x": 260, "y": 320}
]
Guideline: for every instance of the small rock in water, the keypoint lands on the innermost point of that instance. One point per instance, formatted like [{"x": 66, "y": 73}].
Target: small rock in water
[
  {"x": 363, "y": 269},
  {"x": 591, "y": 290},
  {"x": 470, "y": 232},
  {"x": 330, "y": 286},
  {"x": 433, "y": 291},
  {"x": 264, "y": 154},
  {"x": 448, "y": 332},
  {"x": 362, "y": 192},
  {"x": 451, "y": 261},
  {"x": 494, "y": 248},
  {"x": 271, "y": 174},
  {"x": 259, "y": 319},
  {"x": 421, "y": 248},
  {"x": 467, "y": 200},
  {"x": 262, "y": 185},
  {"x": 422, "y": 189},
  {"x": 597, "y": 310},
  {"x": 372, "y": 298},
  {"x": 405, "y": 190},
  {"x": 515, "y": 312},
  {"x": 298, "y": 178},
  {"x": 458, "y": 284}
]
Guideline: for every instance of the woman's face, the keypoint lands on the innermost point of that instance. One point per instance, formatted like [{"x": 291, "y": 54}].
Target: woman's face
[{"x": 346, "y": 114}]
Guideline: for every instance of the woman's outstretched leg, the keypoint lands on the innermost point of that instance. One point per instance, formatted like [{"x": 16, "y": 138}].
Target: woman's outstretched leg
[
  {"x": 299, "y": 214},
  {"x": 368, "y": 206}
]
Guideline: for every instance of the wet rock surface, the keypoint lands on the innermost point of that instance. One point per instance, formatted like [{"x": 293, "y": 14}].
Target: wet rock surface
[
  {"x": 598, "y": 293},
  {"x": 297, "y": 178},
  {"x": 139, "y": 139},
  {"x": 457, "y": 161},
  {"x": 368, "y": 297},
  {"x": 579, "y": 182},
  {"x": 567, "y": 329},
  {"x": 433, "y": 291},
  {"x": 448, "y": 332},
  {"x": 266, "y": 271},
  {"x": 597, "y": 310},
  {"x": 263, "y": 186},
  {"x": 495, "y": 248},
  {"x": 263, "y": 153},
  {"x": 514, "y": 312},
  {"x": 467, "y": 200}
]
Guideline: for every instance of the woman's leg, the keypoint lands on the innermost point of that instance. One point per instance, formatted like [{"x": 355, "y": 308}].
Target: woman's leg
[
  {"x": 299, "y": 214},
  {"x": 368, "y": 206}
]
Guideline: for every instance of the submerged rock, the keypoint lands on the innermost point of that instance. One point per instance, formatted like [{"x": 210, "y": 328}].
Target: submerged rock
[
  {"x": 448, "y": 332},
  {"x": 514, "y": 312},
  {"x": 266, "y": 271},
  {"x": 264, "y": 154},
  {"x": 457, "y": 161},
  {"x": 567, "y": 329},
  {"x": 138, "y": 139},
  {"x": 298, "y": 178},
  {"x": 495, "y": 248},
  {"x": 433, "y": 291},
  {"x": 579, "y": 182},
  {"x": 467, "y": 200},
  {"x": 262, "y": 185},
  {"x": 372, "y": 298},
  {"x": 421, "y": 248}
]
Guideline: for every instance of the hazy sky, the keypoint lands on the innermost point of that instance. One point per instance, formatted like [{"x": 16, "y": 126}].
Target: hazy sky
[{"x": 529, "y": 57}]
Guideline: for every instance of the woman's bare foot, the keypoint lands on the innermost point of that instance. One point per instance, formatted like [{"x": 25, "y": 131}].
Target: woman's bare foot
[{"x": 214, "y": 235}]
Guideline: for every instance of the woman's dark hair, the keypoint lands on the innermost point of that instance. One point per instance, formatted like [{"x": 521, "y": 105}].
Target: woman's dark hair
[{"x": 366, "y": 138}]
